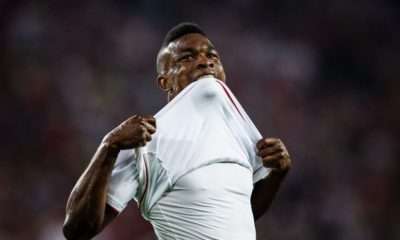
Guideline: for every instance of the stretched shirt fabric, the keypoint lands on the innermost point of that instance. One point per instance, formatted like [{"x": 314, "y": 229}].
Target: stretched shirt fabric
[{"x": 204, "y": 125}]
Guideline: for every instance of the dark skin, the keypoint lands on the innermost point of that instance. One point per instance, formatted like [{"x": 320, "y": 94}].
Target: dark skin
[
  {"x": 185, "y": 60},
  {"x": 87, "y": 211},
  {"x": 182, "y": 62}
]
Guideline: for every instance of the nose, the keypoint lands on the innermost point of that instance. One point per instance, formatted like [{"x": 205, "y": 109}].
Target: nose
[{"x": 204, "y": 62}]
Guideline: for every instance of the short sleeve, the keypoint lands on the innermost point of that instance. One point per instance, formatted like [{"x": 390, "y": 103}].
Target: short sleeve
[
  {"x": 260, "y": 173},
  {"x": 123, "y": 183}
]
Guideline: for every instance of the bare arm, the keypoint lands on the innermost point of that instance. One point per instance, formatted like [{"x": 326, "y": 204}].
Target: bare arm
[
  {"x": 274, "y": 155},
  {"x": 87, "y": 212}
]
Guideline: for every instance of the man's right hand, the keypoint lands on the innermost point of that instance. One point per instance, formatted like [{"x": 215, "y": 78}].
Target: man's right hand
[
  {"x": 134, "y": 132},
  {"x": 87, "y": 211}
]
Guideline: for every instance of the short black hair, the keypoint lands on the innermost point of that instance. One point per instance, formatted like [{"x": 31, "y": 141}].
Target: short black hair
[
  {"x": 176, "y": 32},
  {"x": 180, "y": 30}
]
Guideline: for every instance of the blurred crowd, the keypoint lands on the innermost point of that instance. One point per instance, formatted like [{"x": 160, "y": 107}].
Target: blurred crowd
[{"x": 320, "y": 75}]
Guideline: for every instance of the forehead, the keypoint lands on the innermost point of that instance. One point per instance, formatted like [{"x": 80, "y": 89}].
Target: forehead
[{"x": 193, "y": 41}]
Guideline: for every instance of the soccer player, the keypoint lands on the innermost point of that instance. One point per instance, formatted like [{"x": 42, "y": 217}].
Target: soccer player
[{"x": 201, "y": 172}]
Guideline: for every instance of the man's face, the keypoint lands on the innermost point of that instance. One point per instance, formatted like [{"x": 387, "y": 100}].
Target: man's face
[{"x": 187, "y": 59}]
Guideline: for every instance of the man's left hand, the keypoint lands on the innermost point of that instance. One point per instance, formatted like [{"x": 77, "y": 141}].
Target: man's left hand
[{"x": 274, "y": 154}]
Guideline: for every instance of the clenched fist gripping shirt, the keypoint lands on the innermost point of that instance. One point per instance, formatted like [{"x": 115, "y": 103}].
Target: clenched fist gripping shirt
[{"x": 194, "y": 179}]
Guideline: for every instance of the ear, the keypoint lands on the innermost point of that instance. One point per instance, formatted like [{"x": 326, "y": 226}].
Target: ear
[{"x": 164, "y": 83}]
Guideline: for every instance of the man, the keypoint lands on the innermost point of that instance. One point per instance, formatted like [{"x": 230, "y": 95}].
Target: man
[{"x": 183, "y": 200}]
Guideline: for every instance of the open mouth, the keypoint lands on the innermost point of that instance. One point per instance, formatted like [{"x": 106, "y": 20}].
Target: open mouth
[{"x": 205, "y": 76}]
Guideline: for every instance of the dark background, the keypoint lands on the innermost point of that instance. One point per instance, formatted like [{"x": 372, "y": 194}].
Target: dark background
[{"x": 321, "y": 75}]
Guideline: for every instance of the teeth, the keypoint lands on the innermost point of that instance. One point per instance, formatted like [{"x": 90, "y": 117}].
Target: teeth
[{"x": 206, "y": 76}]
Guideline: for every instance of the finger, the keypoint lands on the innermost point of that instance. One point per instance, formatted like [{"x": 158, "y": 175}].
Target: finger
[
  {"x": 150, "y": 119},
  {"x": 143, "y": 139},
  {"x": 141, "y": 129},
  {"x": 273, "y": 161},
  {"x": 150, "y": 128},
  {"x": 142, "y": 143},
  {"x": 266, "y": 142},
  {"x": 274, "y": 157},
  {"x": 147, "y": 137},
  {"x": 270, "y": 151}
]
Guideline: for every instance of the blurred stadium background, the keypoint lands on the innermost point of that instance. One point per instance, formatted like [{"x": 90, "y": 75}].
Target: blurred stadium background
[{"x": 322, "y": 75}]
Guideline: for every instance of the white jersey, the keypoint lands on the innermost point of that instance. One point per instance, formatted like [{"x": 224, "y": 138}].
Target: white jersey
[
  {"x": 212, "y": 202},
  {"x": 203, "y": 125}
]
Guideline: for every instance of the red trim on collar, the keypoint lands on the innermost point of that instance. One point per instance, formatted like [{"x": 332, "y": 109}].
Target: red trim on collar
[{"x": 230, "y": 98}]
